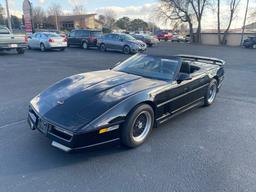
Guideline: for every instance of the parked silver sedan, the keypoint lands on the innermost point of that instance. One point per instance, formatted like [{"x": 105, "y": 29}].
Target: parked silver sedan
[{"x": 47, "y": 41}]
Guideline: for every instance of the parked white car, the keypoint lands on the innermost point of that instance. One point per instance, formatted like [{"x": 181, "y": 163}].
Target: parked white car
[{"x": 47, "y": 41}]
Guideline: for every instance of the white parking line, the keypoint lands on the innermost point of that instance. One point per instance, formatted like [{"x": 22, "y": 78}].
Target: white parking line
[{"x": 13, "y": 123}]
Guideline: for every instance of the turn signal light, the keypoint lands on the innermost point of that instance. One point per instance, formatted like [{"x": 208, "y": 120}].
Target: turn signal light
[{"x": 104, "y": 130}]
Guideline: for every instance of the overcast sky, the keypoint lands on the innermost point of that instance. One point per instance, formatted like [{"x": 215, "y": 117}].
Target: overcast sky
[{"x": 143, "y": 9}]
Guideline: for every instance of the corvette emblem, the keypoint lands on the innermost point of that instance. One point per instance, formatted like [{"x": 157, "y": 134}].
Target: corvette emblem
[{"x": 61, "y": 102}]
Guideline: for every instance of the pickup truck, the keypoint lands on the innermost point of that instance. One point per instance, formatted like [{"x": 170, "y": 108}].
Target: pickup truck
[{"x": 9, "y": 41}]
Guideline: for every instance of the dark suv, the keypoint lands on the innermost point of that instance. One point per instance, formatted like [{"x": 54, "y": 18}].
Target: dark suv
[
  {"x": 250, "y": 42},
  {"x": 84, "y": 38}
]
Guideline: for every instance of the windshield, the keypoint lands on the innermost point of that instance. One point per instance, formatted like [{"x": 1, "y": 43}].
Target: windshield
[
  {"x": 150, "y": 67},
  {"x": 3, "y": 30},
  {"x": 52, "y": 35},
  {"x": 128, "y": 38}
]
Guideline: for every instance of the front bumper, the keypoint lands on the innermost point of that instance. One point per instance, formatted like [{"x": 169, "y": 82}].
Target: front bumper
[
  {"x": 67, "y": 140},
  {"x": 138, "y": 49}
]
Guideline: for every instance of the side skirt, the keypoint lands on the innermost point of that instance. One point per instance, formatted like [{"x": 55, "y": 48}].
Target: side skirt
[{"x": 179, "y": 111}]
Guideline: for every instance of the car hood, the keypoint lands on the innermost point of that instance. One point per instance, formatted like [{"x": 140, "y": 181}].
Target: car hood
[
  {"x": 77, "y": 100},
  {"x": 138, "y": 42}
]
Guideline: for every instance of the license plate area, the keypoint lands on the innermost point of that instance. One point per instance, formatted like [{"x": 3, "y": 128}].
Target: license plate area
[{"x": 13, "y": 45}]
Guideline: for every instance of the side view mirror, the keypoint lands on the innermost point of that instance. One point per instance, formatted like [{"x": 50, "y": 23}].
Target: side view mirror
[
  {"x": 183, "y": 77},
  {"x": 121, "y": 40}
]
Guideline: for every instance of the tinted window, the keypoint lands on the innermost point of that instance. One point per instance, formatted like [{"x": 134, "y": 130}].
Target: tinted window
[
  {"x": 72, "y": 34},
  {"x": 84, "y": 33},
  {"x": 4, "y": 30},
  {"x": 51, "y": 35},
  {"x": 150, "y": 66},
  {"x": 38, "y": 35},
  {"x": 96, "y": 33},
  {"x": 78, "y": 33}
]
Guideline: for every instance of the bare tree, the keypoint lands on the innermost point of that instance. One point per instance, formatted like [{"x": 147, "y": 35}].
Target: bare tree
[
  {"x": 55, "y": 10},
  {"x": 218, "y": 21},
  {"x": 198, "y": 8},
  {"x": 78, "y": 10},
  {"x": 177, "y": 11},
  {"x": 39, "y": 16},
  {"x": 2, "y": 12},
  {"x": 233, "y": 5},
  {"x": 109, "y": 18}
]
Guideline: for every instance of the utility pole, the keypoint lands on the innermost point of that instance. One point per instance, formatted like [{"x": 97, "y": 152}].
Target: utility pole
[
  {"x": 8, "y": 16},
  {"x": 245, "y": 17}
]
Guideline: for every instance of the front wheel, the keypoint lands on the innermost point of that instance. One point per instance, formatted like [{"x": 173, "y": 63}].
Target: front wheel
[
  {"x": 126, "y": 49},
  {"x": 138, "y": 126},
  {"x": 211, "y": 93}
]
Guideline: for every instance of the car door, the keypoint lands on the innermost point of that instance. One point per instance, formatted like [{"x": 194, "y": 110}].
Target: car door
[
  {"x": 71, "y": 38},
  {"x": 38, "y": 40},
  {"x": 177, "y": 95},
  {"x": 34, "y": 41},
  {"x": 198, "y": 85},
  {"x": 110, "y": 41}
]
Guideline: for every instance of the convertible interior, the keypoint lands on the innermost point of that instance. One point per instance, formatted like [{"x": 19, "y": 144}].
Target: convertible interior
[{"x": 188, "y": 67}]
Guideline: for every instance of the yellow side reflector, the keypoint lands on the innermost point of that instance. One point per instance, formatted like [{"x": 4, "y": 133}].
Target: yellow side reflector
[{"x": 104, "y": 130}]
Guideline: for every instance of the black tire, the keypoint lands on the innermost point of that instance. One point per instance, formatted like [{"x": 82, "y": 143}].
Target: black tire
[
  {"x": 166, "y": 39},
  {"x": 102, "y": 47},
  {"x": 211, "y": 93},
  {"x": 126, "y": 50},
  {"x": 42, "y": 47},
  {"x": 132, "y": 125},
  {"x": 62, "y": 49},
  {"x": 20, "y": 51},
  {"x": 85, "y": 45}
]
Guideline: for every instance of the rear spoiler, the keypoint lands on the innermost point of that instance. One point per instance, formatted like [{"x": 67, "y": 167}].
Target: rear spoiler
[{"x": 209, "y": 60}]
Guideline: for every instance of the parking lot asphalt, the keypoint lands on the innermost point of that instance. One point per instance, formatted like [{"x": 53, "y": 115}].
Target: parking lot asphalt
[{"x": 206, "y": 149}]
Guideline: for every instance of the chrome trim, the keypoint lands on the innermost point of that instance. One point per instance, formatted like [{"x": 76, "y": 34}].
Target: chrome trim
[
  {"x": 179, "y": 109},
  {"x": 182, "y": 95},
  {"x": 68, "y": 149},
  {"x": 60, "y": 146},
  {"x": 180, "y": 112},
  {"x": 191, "y": 103}
]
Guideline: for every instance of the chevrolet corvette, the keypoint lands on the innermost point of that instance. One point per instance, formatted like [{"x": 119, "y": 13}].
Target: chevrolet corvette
[{"x": 124, "y": 103}]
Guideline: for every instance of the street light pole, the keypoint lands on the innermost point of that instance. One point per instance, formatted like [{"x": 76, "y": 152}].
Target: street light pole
[{"x": 8, "y": 16}]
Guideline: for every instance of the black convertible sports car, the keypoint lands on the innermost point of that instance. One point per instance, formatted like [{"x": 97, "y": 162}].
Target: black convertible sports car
[{"x": 126, "y": 102}]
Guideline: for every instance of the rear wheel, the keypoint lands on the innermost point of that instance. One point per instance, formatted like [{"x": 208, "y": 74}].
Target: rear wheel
[
  {"x": 85, "y": 45},
  {"x": 42, "y": 47},
  {"x": 126, "y": 49},
  {"x": 211, "y": 93},
  {"x": 20, "y": 51},
  {"x": 138, "y": 126}
]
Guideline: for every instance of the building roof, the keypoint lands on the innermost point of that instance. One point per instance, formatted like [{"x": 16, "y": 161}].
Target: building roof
[{"x": 74, "y": 17}]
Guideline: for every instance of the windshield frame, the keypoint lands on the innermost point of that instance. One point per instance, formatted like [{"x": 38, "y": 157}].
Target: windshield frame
[{"x": 172, "y": 78}]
